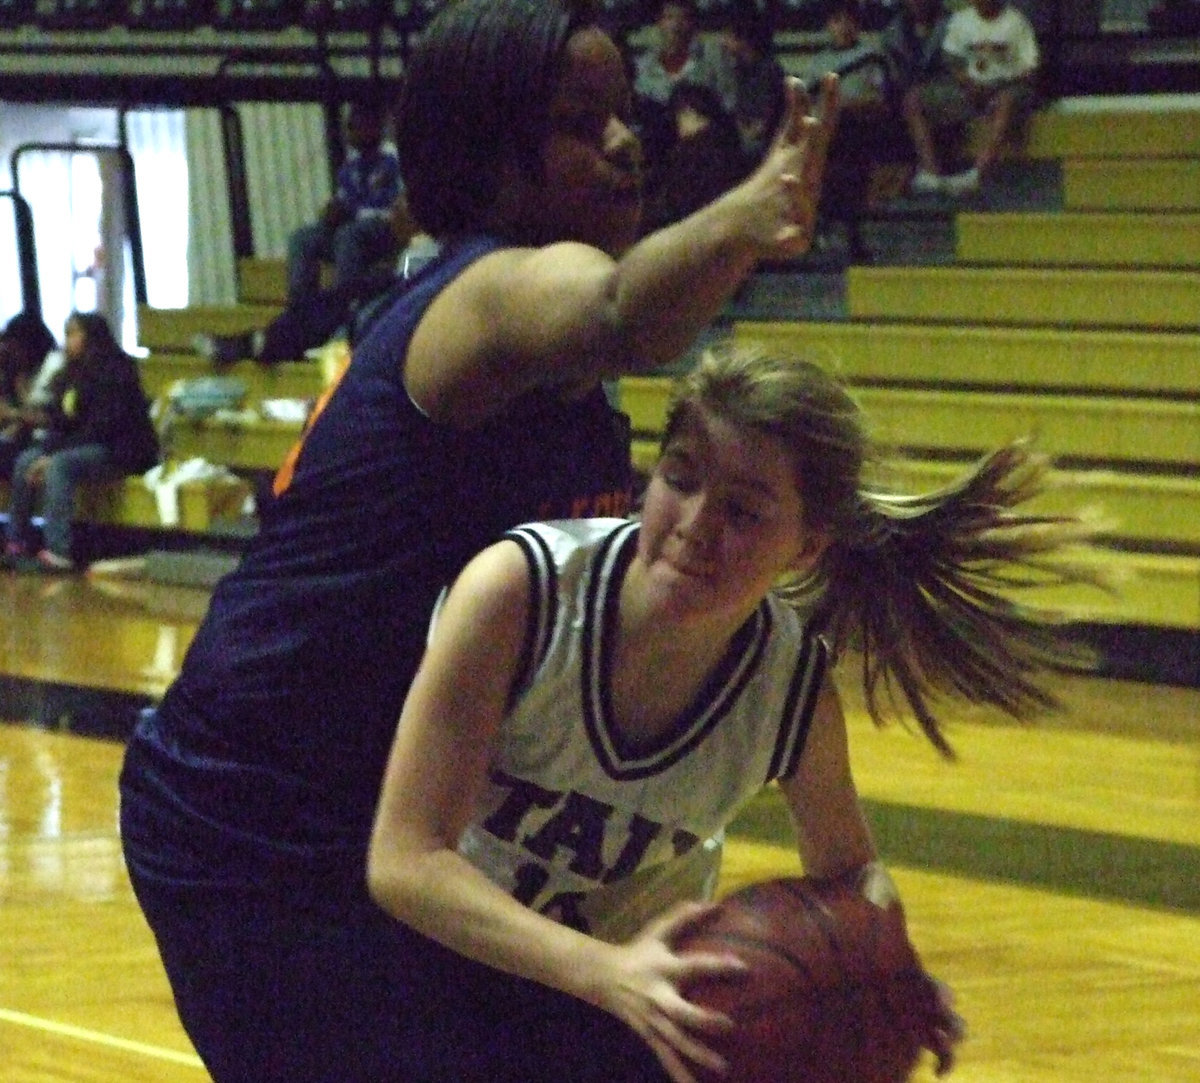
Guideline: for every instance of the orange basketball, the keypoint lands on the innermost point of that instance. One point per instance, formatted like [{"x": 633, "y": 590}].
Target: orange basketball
[{"x": 835, "y": 991}]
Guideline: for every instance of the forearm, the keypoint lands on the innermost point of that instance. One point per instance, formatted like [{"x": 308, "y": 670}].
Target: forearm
[
  {"x": 671, "y": 285},
  {"x": 441, "y": 895}
]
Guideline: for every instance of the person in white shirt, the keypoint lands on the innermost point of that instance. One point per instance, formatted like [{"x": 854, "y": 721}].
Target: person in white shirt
[
  {"x": 599, "y": 697},
  {"x": 992, "y": 53}
]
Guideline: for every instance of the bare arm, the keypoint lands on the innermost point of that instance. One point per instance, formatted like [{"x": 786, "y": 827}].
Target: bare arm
[
  {"x": 835, "y": 841},
  {"x": 437, "y": 768},
  {"x": 831, "y": 831},
  {"x": 569, "y": 314}
]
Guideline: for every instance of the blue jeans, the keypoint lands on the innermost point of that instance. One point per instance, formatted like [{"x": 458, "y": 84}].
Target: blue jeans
[
  {"x": 66, "y": 469},
  {"x": 352, "y": 248}
]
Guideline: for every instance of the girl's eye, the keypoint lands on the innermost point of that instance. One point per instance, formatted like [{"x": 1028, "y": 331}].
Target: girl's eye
[
  {"x": 742, "y": 516},
  {"x": 678, "y": 480}
]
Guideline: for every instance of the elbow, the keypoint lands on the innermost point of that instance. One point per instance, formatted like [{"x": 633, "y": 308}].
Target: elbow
[{"x": 380, "y": 884}]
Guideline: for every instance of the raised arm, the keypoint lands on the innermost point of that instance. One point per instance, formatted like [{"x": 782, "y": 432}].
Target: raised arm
[
  {"x": 437, "y": 767},
  {"x": 569, "y": 314}
]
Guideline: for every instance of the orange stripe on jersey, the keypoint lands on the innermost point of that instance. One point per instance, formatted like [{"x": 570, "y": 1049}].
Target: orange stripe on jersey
[{"x": 283, "y": 478}]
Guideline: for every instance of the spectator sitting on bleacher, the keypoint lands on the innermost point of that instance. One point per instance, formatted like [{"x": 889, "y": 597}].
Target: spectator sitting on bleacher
[
  {"x": 705, "y": 159},
  {"x": 28, "y": 358},
  {"x": 912, "y": 42},
  {"x": 96, "y": 427},
  {"x": 333, "y": 313},
  {"x": 993, "y": 57},
  {"x": 354, "y": 230},
  {"x": 679, "y": 53},
  {"x": 867, "y": 123},
  {"x": 757, "y": 76}
]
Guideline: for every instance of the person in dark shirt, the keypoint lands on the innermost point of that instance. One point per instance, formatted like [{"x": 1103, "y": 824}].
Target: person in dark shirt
[
  {"x": 95, "y": 426},
  {"x": 28, "y": 355},
  {"x": 355, "y": 229},
  {"x": 475, "y": 402}
]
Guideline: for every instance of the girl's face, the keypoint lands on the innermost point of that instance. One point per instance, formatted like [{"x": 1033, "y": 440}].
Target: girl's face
[
  {"x": 591, "y": 189},
  {"x": 722, "y": 521},
  {"x": 74, "y": 339},
  {"x": 676, "y": 27},
  {"x": 843, "y": 30}
]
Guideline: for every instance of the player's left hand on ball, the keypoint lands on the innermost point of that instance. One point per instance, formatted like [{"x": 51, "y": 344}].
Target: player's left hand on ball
[{"x": 945, "y": 1028}]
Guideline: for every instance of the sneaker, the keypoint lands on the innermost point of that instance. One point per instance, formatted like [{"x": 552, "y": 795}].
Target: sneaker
[
  {"x": 221, "y": 350},
  {"x": 925, "y": 183},
  {"x": 52, "y": 563},
  {"x": 961, "y": 184}
]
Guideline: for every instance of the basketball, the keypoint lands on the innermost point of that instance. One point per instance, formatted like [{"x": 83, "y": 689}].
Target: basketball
[{"x": 835, "y": 991}]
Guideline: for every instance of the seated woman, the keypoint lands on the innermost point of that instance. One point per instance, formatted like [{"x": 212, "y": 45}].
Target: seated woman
[
  {"x": 28, "y": 358},
  {"x": 95, "y": 427}
]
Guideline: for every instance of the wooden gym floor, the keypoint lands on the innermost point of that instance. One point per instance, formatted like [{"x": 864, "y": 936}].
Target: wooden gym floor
[{"x": 1051, "y": 875}]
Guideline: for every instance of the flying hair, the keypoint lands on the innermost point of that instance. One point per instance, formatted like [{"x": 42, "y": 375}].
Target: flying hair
[{"x": 925, "y": 587}]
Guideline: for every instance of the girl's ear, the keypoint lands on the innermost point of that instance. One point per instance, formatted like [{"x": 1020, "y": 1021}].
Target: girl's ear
[{"x": 814, "y": 545}]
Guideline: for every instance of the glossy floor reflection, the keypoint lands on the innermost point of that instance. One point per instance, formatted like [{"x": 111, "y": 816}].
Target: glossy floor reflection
[{"x": 1051, "y": 875}]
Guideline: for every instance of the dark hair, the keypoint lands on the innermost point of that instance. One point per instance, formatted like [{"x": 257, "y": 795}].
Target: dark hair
[
  {"x": 29, "y": 332},
  {"x": 476, "y": 101},
  {"x": 853, "y": 8},
  {"x": 750, "y": 24},
  {"x": 922, "y": 585},
  {"x": 99, "y": 342}
]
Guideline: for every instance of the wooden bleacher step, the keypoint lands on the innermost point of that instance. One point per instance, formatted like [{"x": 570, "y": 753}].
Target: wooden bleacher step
[
  {"x": 1080, "y": 239},
  {"x": 1015, "y": 357},
  {"x": 171, "y": 330},
  {"x": 285, "y": 380},
  {"x": 1156, "y": 512},
  {"x": 1027, "y": 296},
  {"x": 1155, "y": 590},
  {"x": 1093, "y": 429},
  {"x": 1151, "y": 511},
  {"x": 1155, "y": 126},
  {"x": 1106, "y": 184},
  {"x": 262, "y": 281},
  {"x": 1144, "y": 510},
  {"x": 252, "y": 445}
]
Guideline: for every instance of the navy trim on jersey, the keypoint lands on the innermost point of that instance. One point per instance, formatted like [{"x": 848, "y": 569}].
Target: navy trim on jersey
[
  {"x": 598, "y": 579},
  {"x": 543, "y": 606},
  {"x": 798, "y": 707},
  {"x": 721, "y": 692}
]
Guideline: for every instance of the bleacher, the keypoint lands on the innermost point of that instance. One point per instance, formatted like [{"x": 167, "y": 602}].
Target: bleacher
[
  {"x": 245, "y": 442},
  {"x": 1077, "y": 322},
  {"x": 1079, "y": 326}
]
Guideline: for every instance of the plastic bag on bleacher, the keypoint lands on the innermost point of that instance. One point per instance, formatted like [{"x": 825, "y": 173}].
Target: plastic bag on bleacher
[
  {"x": 203, "y": 396},
  {"x": 165, "y": 479}
]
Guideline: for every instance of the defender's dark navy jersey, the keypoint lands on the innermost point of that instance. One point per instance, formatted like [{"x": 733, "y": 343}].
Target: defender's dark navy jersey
[{"x": 266, "y": 754}]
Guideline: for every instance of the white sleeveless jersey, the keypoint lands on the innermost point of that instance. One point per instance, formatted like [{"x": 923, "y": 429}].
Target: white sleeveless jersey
[{"x": 573, "y": 821}]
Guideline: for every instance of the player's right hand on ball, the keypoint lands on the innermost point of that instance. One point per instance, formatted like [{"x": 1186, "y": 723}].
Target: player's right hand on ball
[{"x": 646, "y": 992}]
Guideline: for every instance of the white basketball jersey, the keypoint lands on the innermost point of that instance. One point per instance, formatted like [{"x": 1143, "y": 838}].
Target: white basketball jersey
[{"x": 572, "y": 812}]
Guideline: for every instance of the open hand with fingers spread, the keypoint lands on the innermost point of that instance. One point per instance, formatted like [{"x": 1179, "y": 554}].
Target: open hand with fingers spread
[
  {"x": 782, "y": 194},
  {"x": 645, "y": 989}
]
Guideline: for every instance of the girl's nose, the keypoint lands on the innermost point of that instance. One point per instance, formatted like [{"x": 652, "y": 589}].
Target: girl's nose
[{"x": 698, "y": 522}]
